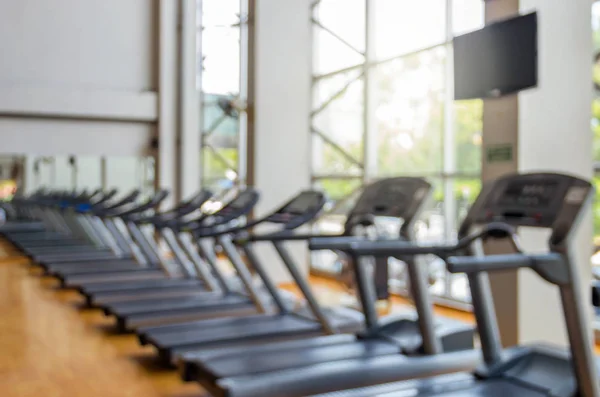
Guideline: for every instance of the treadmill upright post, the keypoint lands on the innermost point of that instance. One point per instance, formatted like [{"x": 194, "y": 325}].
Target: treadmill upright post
[
  {"x": 266, "y": 280},
  {"x": 207, "y": 252},
  {"x": 149, "y": 253},
  {"x": 242, "y": 270},
  {"x": 366, "y": 294},
  {"x": 182, "y": 259},
  {"x": 485, "y": 316},
  {"x": 422, "y": 300},
  {"x": 183, "y": 241},
  {"x": 304, "y": 288}
]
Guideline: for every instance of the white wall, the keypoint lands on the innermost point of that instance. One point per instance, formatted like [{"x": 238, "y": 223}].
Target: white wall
[
  {"x": 78, "y": 76},
  {"x": 554, "y": 135},
  {"x": 282, "y": 108}
]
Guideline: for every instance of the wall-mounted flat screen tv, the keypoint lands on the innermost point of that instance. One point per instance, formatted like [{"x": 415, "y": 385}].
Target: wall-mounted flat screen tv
[{"x": 497, "y": 60}]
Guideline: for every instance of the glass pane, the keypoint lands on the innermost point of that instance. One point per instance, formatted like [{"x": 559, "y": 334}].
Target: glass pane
[
  {"x": 402, "y": 26},
  {"x": 409, "y": 112},
  {"x": 596, "y": 212},
  {"x": 127, "y": 173},
  {"x": 467, "y": 15},
  {"x": 468, "y": 127},
  {"x": 331, "y": 54},
  {"x": 217, "y": 172},
  {"x": 221, "y": 63},
  {"x": 465, "y": 193},
  {"x": 342, "y": 193},
  {"x": 326, "y": 89},
  {"x": 429, "y": 228},
  {"x": 596, "y": 207},
  {"x": 220, "y": 12},
  {"x": 350, "y": 27},
  {"x": 596, "y": 24},
  {"x": 329, "y": 160},
  {"x": 342, "y": 123},
  {"x": 220, "y": 128},
  {"x": 339, "y": 189}
]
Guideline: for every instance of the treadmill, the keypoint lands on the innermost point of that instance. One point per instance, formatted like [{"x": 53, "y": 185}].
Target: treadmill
[
  {"x": 75, "y": 235},
  {"x": 45, "y": 207},
  {"x": 179, "y": 299},
  {"x": 402, "y": 198},
  {"x": 136, "y": 243},
  {"x": 396, "y": 197},
  {"x": 162, "y": 311},
  {"x": 541, "y": 200},
  {"x": 116, "y": 286},
  {"x": 87, "y": 257}
]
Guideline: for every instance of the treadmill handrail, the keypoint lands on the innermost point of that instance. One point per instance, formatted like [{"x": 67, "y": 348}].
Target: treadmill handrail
[
  {"x": 399, "y": 248},
  {"x": 148, "y": 204},
  {"x": 288, "y": 235},
  {"x": 184, "y": 208}
]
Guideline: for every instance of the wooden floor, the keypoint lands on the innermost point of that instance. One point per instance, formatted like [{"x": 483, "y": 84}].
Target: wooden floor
[{"x": 49, "y": 347}]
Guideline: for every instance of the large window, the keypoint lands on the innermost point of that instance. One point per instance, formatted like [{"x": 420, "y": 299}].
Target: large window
[
  {"x": 383, "y": 106},
  {"x": 221, "y": 53}
]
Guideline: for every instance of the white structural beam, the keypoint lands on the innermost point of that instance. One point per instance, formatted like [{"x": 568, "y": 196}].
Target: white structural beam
[
  {"x": 96, "y": 104},
  {"x": 189, "y": 112},
  {"x": 168, "y": 73},
  {"x": 282, "y": 97}
]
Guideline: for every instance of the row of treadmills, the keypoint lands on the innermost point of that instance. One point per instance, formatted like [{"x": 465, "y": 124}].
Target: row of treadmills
[{"x": 226, "y": 325}]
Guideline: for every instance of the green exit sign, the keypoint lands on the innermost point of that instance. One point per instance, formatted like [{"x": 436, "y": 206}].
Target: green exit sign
[{"x": 499, "y": 153}]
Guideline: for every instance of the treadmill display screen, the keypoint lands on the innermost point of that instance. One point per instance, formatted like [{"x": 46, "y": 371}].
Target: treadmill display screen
[
  {"x": 302, "y": 203},
  {"x": 529, "y": 194},
  {"x": 242, "y": 201}
]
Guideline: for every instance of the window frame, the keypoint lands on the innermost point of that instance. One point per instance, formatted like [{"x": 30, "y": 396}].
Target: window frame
[{"x": 368, "y": 164}]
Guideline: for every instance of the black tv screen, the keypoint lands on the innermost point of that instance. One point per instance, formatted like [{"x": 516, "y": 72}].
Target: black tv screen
[{"x": 497, "y": 60}]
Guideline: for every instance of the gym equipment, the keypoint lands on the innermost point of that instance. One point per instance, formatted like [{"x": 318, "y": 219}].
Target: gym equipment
[
  {"x": 139, "y": 245},
  {"x": 540, "y": 200},
  {"x": 402, "y": 198},
  {"x": 284, "y": 323},
  {"x": 160, "y": 302}
]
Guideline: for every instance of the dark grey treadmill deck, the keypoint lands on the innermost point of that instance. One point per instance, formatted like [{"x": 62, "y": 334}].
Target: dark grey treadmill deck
[
  {"x": 92, "y": 266},
  {"x": 105, "y": 298},
  {"x": 139, "y": 285},
  {"x": 171, "y": 305},
  {"x": 75, "y": 257},
  {"x": 301, "y": 355},
  {"x": 217, "y": 310},
  {"x": 237, "y": 328},
  {"x": 355, "y": 373},
  {"x": 80, "y": 280},
  {"x": 465, "y": 388},
  {"x": 204, "y": 333}
]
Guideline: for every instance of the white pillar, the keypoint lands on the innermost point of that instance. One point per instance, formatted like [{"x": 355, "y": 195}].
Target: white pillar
[
  {"x": 168, "y": 74},
  {"x": 281, "y": 165},
  {"x": 554, "y": 126},
  {"x": 549, "y": 129}
]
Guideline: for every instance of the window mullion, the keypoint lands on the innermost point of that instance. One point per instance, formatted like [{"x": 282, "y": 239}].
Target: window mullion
[
  {"x": 369, "y": 97},
  {"x": 449, "y": 165}
]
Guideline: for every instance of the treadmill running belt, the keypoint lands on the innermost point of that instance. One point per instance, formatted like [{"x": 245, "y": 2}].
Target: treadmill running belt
[
  {"x": 173, "y": 304},
  {"x": 106, "y": 298},
  {"x": 238, "y": 364},
  {"x": 138, "y": 285},
  {"x": 256, "y": 326},
  {"x": 486, "y": 388}
]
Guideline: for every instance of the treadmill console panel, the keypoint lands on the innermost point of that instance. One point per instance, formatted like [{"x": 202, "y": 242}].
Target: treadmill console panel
[
  {"x": 301, "y": 209},
  {"x": 394, "y": 197},
  {"x": 541, "y": 200},
  {"x": 241, "y": 205}
]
